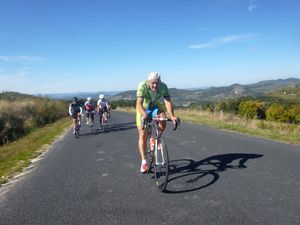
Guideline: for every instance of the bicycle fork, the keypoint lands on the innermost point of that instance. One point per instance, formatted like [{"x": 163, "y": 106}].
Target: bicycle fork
[{"x": 160, "y": 161}]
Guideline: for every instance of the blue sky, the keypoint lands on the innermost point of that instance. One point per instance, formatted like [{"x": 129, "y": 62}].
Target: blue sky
[{"x": 59, "y": 46}]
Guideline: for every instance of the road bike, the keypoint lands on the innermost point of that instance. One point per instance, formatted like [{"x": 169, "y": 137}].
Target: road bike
[
  {"x": 77, "y": 128},
  {"x": 102, "y": 119},
  {"x": 157, "y": 156},
  {"x": 90, "y": 119}
]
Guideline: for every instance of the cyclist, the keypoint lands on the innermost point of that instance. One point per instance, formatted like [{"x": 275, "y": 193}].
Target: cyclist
[
  {"x": 75, "y": 112},
  {"x": 147, "y": 105},
  {"x": 102, "y": 108},
  {"x": 108, "y": 110},
  {"x": 89, "y": 110}
]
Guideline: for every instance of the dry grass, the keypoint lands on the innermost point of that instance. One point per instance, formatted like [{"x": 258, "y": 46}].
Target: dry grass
[
  {"x": 288, "y": 133},
  {"x": 17, "y": 155}
]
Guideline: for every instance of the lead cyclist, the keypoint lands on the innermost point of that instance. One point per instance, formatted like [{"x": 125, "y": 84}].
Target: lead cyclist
[{"x": 148, "y": 94}]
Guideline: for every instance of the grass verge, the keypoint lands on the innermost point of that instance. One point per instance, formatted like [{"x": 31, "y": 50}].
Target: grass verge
[
  {"x": 18, "y": 154},
  {"x": 287, "y": 133}
]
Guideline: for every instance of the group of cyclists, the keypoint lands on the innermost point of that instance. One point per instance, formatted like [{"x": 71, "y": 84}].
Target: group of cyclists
[
  {"x": 149, "y": 92},
  {"x": 89, "y": 108}
]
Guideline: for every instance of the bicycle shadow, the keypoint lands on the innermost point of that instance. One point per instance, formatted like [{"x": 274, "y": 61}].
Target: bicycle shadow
[
  {"x": 110, "y": 128},
  {"x": 188, "y": 175}
]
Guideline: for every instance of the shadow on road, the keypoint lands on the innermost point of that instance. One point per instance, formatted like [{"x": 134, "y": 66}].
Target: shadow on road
[
  {"x": 190, "y": 175},
  {"x": 110, "y": 128}
]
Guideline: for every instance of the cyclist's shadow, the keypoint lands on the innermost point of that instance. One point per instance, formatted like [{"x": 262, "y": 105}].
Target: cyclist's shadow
[
  {"x": 110, "y": 128},
  {"x": 189, "y": 175}
]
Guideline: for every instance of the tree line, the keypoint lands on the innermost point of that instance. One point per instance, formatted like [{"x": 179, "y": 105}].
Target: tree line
[{"x": 263, "y": 108}]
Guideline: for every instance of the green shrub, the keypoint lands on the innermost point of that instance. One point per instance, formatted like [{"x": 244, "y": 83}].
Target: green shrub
[
  {"x": 19, "y": 117},
  {"x": 252, "y": 109},
  {"x": 274, "y": 112}
]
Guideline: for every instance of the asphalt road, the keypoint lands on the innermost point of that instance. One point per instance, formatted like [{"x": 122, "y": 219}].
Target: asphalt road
[{"x": 217, "y": 177}]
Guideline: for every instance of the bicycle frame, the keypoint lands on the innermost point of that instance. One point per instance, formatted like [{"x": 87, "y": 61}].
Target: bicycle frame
[
  {"x": 158, "y": 158},
  {"x": 155, "y": 134},
  {"x": 77, "y": 127}
]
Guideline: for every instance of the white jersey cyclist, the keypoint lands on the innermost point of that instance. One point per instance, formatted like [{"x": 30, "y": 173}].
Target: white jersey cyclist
[{"x": 102, "y": 104}]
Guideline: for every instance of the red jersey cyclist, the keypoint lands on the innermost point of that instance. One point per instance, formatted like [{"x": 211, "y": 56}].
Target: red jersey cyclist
[{"x": 89, "y": 110}]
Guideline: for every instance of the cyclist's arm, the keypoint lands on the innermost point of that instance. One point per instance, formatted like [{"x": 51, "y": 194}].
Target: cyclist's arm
[
  {"x": 97, "y": 106},
  {"x": 70, "y": 110},
  {"x": 170, "y": 108},
  {"x": 140, "y": 108}
]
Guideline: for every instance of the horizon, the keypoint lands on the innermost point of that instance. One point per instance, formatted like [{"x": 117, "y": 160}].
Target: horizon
[
  {"x": 120, "y": 91},
  {"x": 189, "y": 89},
  {"x": 64, "y": 46}
]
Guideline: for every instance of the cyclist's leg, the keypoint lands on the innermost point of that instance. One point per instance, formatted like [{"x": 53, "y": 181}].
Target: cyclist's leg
[
  {"x": 142, "y": 142},
  {"x": 105, "y": 115},
  {"x": 74, "y": 123},
  {"x": 158, "y": 112},
  {"x": 79, "y": 118},
  {"x": 100, "y": 118},
  {"x": 74, "y": 118},
  {"x": 92, "y": 117},
  {"x": 87, "y": 116}
]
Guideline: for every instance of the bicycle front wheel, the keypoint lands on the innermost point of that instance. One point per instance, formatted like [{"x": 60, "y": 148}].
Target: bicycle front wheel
[{"x": 161, "y": 165}]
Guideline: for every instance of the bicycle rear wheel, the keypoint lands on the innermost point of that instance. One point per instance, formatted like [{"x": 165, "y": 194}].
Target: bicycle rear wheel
[
  {"x": 77, "y": 134},
  {"x": 161, "y": 165}
]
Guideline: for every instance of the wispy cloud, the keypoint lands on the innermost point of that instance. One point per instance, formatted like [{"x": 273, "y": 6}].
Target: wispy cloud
[
  {"x": 251, "y": 6},
  {"x": 21, "y": 58},
  {"x": 222, "y": 40},
  {"x": 203, "y": 28}
]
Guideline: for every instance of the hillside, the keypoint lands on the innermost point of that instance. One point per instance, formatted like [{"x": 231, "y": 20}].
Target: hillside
[
  {"x": 13, "y": 96},
  {"x": 290, "y": 92},
  {"x": 185, "y": 97}
]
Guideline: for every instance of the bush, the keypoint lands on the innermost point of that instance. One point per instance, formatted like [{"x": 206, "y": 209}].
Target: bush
[
  {"x": 274, "y": 112},
  {"x": 19, "y": 117},
  {"x": 252, "y": 109}
]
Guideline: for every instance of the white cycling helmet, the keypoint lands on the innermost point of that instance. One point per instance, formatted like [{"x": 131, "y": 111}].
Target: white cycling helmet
[
  {"x": 89, "y": 98},
  {"x": 101, "y": 96},
  {"x": 153, "y": 76}
]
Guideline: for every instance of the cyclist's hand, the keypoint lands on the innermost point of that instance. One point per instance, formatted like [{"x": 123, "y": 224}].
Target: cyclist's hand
[
  {"x": 175, "y": 120},
  {"x": 143, "y": 120}
]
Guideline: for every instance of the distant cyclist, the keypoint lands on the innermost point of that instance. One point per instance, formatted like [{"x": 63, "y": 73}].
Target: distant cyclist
[
  {"x": 75, "y": 112},
  {"x": 89, "y": 110},
  {"x": 102, "y": 108},
  {"x": 147, "y": 105}
]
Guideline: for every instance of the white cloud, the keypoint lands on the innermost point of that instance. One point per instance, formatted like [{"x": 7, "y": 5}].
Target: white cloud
[
  {"x": 21, "y": 58},
  {"x": 251, "y": 6},
  {"x": 222, "y": 40}
]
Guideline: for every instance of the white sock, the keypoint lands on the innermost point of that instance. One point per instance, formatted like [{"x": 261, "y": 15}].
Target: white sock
[{"x": 144, "y": 161}]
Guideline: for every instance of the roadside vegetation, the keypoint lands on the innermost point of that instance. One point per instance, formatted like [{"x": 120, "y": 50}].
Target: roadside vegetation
[
  {"x": 18, "y": 154},
  {"x": 271, "y": 118},
  {"x": 27, "y": 123},
  {"x": 21, "y": 114}
]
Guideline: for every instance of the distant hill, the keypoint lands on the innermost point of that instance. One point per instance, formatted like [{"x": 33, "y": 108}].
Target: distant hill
[
  {"x": 83, "y": 95},
  {"x": 290, "y": 92},
  {"x": 185, "y": 97},
  {"x": 12, "y": 96}
]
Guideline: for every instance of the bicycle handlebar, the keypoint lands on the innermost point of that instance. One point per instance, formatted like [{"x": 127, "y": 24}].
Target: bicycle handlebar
[{"x": 167, "y": 119}]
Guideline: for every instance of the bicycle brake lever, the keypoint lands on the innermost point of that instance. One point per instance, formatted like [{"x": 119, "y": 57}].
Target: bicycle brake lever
[{"x": 176, "y": 124}]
